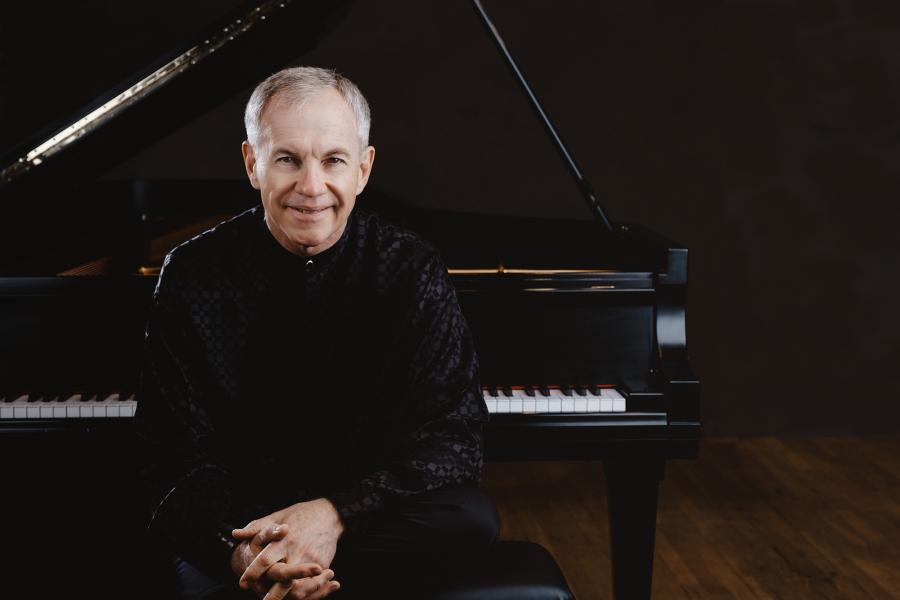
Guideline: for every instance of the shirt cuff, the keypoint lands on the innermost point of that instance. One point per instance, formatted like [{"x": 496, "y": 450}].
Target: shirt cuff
[
  {"x": 195, "y": 521},
  {"x": 356, "y": 506}
]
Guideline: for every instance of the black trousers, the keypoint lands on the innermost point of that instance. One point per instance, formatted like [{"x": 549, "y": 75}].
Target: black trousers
[{"x": 409, "y": 551}]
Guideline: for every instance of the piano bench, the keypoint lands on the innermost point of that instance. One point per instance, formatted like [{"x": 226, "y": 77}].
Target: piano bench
[{"x": 512, "y": 571}]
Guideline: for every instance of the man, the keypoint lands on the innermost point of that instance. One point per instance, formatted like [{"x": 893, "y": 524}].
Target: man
[{"x": 308, "y": 370}]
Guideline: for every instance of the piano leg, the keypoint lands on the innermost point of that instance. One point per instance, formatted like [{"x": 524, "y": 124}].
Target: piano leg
[{"x": 632, "y": 486}]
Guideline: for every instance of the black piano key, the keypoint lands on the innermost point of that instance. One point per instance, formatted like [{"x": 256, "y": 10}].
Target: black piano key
[
  {"x": 566, "y": 389},
  {"x": 507, "y": 390},
  {"x": 580, "y": 390},
  {"x": 545, "y": 391},
  {"x": 529, "y": 390}
]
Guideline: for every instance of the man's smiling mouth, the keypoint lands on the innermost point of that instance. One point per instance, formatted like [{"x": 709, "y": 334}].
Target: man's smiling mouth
[{"x": 308, "y": 211}]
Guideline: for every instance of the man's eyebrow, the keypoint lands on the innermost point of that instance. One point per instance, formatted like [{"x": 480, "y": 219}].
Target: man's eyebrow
[{"x": 337, "y": 150}]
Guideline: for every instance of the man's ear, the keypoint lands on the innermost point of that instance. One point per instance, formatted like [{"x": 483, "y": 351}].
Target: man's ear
[
  {"x": 365, "y": 168},
  {"x": 250, "y": 163}
]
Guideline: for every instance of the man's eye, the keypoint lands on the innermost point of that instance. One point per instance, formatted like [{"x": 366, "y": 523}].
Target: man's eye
[
  {"x": 285, "y": 159},
  {"x": 334, "y": 160}
]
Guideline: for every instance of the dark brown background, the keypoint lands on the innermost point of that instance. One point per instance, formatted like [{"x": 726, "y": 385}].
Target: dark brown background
[{"x": 761, "y": 134}]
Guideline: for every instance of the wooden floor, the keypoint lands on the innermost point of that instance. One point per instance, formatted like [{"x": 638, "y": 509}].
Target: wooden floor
[{"x": 750, "y": 518}]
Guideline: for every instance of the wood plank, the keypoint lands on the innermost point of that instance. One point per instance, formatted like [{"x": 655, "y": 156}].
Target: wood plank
[{"x": 751, "y": 518}]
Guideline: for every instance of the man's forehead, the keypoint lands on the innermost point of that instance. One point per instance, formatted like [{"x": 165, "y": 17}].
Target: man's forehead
[
  {"x": 321, "y": 119},
  {"x": 325, "y": 107}
]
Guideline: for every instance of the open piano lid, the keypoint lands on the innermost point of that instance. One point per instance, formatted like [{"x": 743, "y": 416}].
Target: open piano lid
[
  {"x": 231, "y": 55},
  {"x": 228, "y": 56}
]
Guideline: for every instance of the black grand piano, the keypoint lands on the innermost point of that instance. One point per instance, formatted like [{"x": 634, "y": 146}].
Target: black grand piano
[{"x": 583, "y": 348}]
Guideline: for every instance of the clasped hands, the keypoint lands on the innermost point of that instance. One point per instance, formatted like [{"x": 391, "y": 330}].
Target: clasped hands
[{"x": 287, "y": 553}]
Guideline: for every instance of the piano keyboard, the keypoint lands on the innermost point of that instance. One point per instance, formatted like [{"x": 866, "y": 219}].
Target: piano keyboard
[
  {"x": 521, "y": 400},
  {"x": 515, "y": 400},
  {"x": 68, "y": 406}
]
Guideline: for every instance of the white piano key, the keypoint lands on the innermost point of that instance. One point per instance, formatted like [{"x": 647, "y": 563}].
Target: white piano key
[
  {"x": 593, "y": 404},
  {"x": 130, "y": 407},
  {"x": 7, "y": 412},
  {"x": 126, "y": 405},
  {"x": 541, "y": 405},
  {"x": 568, "y": 404},
  {"x": 100, "y": 407},
  {"x": 580, "y": 404},
  {"x": 85, "y": 411},
  {"x": 502, "y": 404},
  {"x": 59, "y": 411},
  {"x": 33, "y": 412},
  {"x": 613, "y": 401},
  {"x": 47, "y": 412},
  {"x": 72, "y": 412},
  {"x": 555, "y": 401},
  {"x": 529, "y": 405},
  {"x": 517, "y": 401},
  {"x": 20, "y": 412}
]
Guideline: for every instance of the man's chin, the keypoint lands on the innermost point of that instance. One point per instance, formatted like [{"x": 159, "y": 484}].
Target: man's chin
[{"x": 311, "y": 241}]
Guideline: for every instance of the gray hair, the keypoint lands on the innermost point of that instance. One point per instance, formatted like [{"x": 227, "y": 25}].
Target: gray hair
[{"x": 300, "y": 83}]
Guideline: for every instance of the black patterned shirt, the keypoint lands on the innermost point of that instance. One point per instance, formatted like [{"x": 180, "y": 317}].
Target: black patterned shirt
[{"x": 271, "y": 378}]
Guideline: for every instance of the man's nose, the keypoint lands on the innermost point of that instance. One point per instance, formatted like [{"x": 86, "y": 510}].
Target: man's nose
[{"x": 310, "y": 181}]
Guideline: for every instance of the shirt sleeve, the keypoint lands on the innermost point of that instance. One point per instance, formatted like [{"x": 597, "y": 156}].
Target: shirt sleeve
[
  {"x": 444, "y": 445},
  {"x": 188, "y": 493}
]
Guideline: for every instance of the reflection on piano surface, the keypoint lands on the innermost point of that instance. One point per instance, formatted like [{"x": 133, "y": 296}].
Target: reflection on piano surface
[{"x": 583, "y": 348}]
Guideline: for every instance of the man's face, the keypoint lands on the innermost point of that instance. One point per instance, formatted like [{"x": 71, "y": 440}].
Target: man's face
[{"x": 309, "y": 168}]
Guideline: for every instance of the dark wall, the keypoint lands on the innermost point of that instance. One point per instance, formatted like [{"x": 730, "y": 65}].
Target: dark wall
[{"x": 761, "y": 134}]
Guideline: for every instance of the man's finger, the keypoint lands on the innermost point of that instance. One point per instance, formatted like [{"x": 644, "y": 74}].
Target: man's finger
[
  {"x": 260, "y": 587},
  {"x": 278, "y": 590},
  {"x": 269, "y": 534},
  {"x": 325, "y": 590},
  {"x": 312, "y": 587},
  {"x": 285, "y": 571},
  {"x": 263, "y": 561},
  {"x": 247, "y": 531}
]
